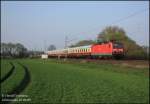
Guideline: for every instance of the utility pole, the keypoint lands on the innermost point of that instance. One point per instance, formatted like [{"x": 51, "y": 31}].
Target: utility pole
[
  {"x": 45, "y": 46},
  {"x": 66, "y": 40}
]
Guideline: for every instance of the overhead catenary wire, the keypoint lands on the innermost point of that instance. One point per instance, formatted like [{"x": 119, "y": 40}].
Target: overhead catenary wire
[
  {"x": 112, "y": 23},
  {"x": 132, "y": 15},
  {"x": 120, "y": 20}
]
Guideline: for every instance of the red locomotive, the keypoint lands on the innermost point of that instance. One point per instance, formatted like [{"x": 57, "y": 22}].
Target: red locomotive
[
  {"x": 99, "y": 50},
  {"x": 114, "y": 49}
]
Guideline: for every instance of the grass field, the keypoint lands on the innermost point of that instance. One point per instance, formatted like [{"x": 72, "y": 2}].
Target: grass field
[
  {"x": 13, "y": 81},
  {"x": 53, "y": 81},
  {"x": 5, "y": 68}
]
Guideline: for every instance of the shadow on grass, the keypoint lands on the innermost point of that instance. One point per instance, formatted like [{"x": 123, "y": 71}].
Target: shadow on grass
[
  {"x": 8, "y": 74},
  {"x": 18, "y": 89}
]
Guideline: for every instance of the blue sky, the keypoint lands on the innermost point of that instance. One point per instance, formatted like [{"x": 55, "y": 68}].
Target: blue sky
[{"x": 37, "y": 24}]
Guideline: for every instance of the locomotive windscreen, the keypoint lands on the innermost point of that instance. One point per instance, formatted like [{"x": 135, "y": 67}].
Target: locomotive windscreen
[{"x": 117, "y": 45}]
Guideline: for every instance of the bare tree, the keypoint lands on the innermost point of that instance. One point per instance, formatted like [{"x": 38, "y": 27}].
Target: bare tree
[{"x": 51, "y": 47}]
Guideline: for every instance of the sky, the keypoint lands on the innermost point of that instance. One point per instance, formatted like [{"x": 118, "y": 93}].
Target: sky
[{"x": 37, "y": 24}]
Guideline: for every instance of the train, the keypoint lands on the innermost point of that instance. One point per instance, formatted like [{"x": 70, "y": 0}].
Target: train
[{"x": 109, "y": 49}]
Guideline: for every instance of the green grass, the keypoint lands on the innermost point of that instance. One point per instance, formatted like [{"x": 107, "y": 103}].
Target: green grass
[
  {"x": 89, "y": 83},
  {"x": 55, "y": 81},
  {"x": 14, "y": 80},
  {"x": 5, "y": 67}
]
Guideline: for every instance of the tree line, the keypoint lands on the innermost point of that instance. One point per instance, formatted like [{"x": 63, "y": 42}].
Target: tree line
[
  {"x": 13, "y": 50},
  {"x": 17, "y": 50}
]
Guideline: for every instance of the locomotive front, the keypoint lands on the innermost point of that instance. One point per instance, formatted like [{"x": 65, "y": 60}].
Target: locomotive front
[{"x": 118, "y": 50}]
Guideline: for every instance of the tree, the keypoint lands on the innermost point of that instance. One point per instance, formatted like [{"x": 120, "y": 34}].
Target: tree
[
  {"x": 113, "y": 33},
  {"x": 20, "y": 50},
  {"x": 132, "y": 50},
  {"x": 51, "y": 47},
  {"x": 13, "y": 50}
]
